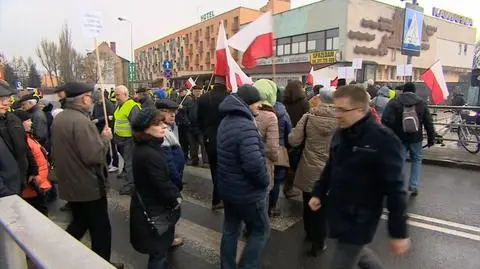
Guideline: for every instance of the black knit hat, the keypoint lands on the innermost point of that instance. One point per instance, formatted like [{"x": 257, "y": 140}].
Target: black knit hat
[
  {"x": 144, "y": 119},
  {"x": 22, "y": 115},
  {"x": 409, "y": 87},
  {"x": 249, "y": 94}
]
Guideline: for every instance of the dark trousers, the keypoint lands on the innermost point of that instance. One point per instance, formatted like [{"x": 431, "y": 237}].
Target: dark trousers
[
  {"x": 347, "y": 256},
  {"x": 92, "y": 216},
  {"x": 158, "y": 261},
  {"x": 212, "y": 158},
  {"x": 278, "y": 177},
  {"x": 196, "y": 141},
  {"x": 112, "y": 155},
  {"x": 39, "y": 203},
  {"x": 255, "y": 217},
  {"x": 183, "y": 139},
  {"x": 314, "y": 222},
  {"x": 288, "y": 181},
  {"x": 126, "y": 150}
]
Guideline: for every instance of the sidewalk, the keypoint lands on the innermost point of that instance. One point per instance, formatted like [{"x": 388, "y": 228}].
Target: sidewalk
[{"x": 450, "y": 157}]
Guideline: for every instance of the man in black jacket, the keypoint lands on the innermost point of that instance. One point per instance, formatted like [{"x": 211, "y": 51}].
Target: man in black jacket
[
  {"x": 364, "y": 166},
  {"x": 394, "y": 118},
  {"x": 17, "y": 164},
  {"x": 184, "y": 101},
  {"x": 209, "y": 118},
  {"x": 195, "y": 136}
]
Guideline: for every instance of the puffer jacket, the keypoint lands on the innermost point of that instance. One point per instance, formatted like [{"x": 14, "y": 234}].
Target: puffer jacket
[
  {"x": 242, "y": 173},
  {"x": 41, "y": 159},
  {"x": 267, "y": 124},
  {"x": 381, "y": 100},
  {"x": 320, "y": 127}
]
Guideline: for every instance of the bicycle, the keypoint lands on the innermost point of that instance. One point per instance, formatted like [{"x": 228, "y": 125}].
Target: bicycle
[{"x": 467, "y": 135}]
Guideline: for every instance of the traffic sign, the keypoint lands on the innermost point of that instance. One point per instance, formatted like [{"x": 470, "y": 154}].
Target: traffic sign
[
  {"x": 167, "y": 64},
  {"x": 167, "y": 74},
  {"x": 132, "y": 72},
  {"x": 18, "y": 85}
]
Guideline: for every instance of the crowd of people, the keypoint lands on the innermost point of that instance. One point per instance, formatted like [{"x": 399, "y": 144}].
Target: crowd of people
[{"x": 341, "y": 148}]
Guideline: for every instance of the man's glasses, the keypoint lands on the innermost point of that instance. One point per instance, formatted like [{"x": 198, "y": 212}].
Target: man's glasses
[{"x": 345, "y": 110}]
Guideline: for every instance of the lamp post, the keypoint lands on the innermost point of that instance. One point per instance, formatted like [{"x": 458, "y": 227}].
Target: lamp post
[{"x": 132, "y": 60}]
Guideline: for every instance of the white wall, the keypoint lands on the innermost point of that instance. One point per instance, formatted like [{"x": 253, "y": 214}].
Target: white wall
[{"x": 453, "y": 53}]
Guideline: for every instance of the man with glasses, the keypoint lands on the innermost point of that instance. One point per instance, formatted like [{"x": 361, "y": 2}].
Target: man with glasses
[
  {"x": 80, "y": 159},
  {"x": 126, "y": 112},
  {"x": 364, "y": 166}
]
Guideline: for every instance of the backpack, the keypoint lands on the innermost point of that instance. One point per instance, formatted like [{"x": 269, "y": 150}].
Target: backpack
[{"x": 410, "y": 122}]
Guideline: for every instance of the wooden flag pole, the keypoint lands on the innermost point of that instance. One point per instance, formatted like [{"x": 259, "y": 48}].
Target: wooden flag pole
[
  {"x": 274, "y": 70},
  {"x": 100, "y": 76},
  {"x": 210, "y": 82}
]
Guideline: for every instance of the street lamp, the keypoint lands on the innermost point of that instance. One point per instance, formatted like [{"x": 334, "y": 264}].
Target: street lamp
[{"x": 131, "y": 36}]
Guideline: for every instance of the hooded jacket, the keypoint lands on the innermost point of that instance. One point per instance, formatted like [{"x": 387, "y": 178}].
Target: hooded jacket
[
  {"x": 381, "y": 100},
  {"x": 393, "y": 114},
  {"x": 241, "y": 173},
  {"x": 320, "y": 126}
]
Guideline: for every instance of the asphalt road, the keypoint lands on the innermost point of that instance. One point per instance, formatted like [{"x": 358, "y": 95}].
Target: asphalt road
[{"x": 444, "y": 227}]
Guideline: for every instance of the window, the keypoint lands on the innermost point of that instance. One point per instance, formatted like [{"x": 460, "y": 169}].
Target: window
[
  {"x": 465, "y": 49},
  {"x": 460, "y": 49},
  {"x": 283, "y": 46},
  {"x": 299, "y": 44},
  {"x": 316, "y": 41}
]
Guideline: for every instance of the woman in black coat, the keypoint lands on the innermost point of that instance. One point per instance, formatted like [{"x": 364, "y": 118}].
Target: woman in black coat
[{"x": 154, "y": 187}]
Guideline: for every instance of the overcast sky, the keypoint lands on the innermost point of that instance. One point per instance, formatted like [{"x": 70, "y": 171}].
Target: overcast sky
[{"x": 23, "y": 23}]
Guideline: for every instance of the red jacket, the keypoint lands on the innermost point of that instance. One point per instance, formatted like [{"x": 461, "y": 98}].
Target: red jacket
[{"x": 41, "y": 160}]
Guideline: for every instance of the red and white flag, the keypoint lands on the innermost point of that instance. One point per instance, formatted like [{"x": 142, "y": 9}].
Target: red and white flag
[
  {"x": 255, "y": 40},
  {"x": 311, "y": 77},
  {"x": 435, "y": 81},
  {"x": 227, "y": 66},
  {"x": 190, "y": 83}
]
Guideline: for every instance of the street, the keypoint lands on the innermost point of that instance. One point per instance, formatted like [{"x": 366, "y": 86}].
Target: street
[{"x": 444, "y": 227}]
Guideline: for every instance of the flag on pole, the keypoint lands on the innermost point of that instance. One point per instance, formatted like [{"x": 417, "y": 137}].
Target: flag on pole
[
  {"x": 435, "y": 81},
  {"x": 226, "y": 66},
  {"x": 190, "y": 83},
  {"x": 334, "y": 82},
  {"x": 311, "y": 77},
  {"x": 255, "y": 40}
]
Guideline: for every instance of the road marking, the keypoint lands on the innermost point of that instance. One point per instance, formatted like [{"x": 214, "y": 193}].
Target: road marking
[{"x": 440, "y": 229}]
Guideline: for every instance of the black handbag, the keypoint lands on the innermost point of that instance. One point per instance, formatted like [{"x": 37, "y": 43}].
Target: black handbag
[
  {"x": 161, "y": 223},
  {"x": 295, "y": 153}
]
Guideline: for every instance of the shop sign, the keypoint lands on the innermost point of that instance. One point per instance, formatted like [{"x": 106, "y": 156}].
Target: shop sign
[
  {"x": 289, "y": 59},
  {"x": 449, "y": 16},
  {"x": 324, "y": 57}
]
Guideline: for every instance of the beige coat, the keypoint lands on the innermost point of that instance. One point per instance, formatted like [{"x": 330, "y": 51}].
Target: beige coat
[
  {"x": 267, "y": 124},
  {"x": 80, "y": 156},
  {"x": 321, "y": 125}
]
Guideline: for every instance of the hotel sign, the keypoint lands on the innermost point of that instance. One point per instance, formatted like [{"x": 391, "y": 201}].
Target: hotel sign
[
  {"x": 207, "y": 16},
  {"x": 449, "y": 16}
]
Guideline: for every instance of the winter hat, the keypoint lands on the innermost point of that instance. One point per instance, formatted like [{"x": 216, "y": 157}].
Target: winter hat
[
  {"x": 144, "y": 119},
  {"x": 267, "y": 90},
  {"x": 409, "y": 87},
  {"x": 22, "y": 115},
  {"x": 161, "y": 94},
  {"x": 326, "y": 95},
  {"x": 249, "y": 94}
]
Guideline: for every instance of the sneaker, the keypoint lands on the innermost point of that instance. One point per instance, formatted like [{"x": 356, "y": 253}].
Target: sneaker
[
  {"x": 112, "y": 169},
  {"x": 217, "y": 206},
  {"x": 413, "y": 192}
]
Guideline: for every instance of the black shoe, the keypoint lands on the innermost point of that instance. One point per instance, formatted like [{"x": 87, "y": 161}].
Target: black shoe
[
  {"x": 217, "y": 206},
  {"x": 117, "y": 265},
  {"x": 413, "y": 192},
  {"x": 317, "y": 249}
]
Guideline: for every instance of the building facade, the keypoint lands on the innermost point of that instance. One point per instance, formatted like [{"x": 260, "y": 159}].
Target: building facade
[
  {"x": 113, "y": 67},
  {"x": 192, "y": 50}
]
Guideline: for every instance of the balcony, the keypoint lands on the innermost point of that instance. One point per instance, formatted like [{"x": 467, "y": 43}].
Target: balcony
[
  {"x": 197, "y": 61},
  {"x": 207, "y": 60},
  {"x": 197, "y": 38},
  {"x": 213, "y": 45},
  {"x": 187, "y": 64},
  {"x": 235, "y": 27},
  {"x": 200, "y": 49},
  {"x": 207, "y": 34},
  {"x": 190, "y": 51}
]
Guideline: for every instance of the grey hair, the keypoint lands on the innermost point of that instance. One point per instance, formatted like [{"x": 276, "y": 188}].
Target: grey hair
[
  {"x": 75, "y": 100},
  {"x": 123, "y": 89}
]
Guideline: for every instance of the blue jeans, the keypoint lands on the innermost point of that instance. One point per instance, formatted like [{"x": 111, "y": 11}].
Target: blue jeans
[
  {"x": 256, "y": 219},
  {"x": 158, "y": 261},
  {"x": 279, "y": 176},
  {"x": 416, "y": 157}
]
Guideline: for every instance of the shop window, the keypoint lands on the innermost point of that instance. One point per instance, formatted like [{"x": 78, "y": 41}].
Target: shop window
[
  {"x": 299, "y": 44},
  {"x": 316, "y": 41},
  {"x": 283, "y": 46}
]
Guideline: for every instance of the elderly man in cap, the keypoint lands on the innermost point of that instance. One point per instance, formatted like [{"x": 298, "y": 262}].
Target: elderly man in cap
[
  {"x": 125, "y": 114},
  {"x": 80, "y": 157},
  {"x": 17, "y": 164},
  {"x": 143, "y": 97},
  {"x": 60, "y": 91},
  {"x": 30, "y": 103}
]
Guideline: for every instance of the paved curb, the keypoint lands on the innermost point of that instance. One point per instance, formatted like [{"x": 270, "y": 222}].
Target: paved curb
[{"x": 452, "y": 164}]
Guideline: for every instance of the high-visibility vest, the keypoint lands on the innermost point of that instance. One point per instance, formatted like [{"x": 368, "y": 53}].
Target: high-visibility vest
[
  {"x": 12, "y": 98},
  {"x": 112, "y": 96},
  {"x": 122, "y": 123}
]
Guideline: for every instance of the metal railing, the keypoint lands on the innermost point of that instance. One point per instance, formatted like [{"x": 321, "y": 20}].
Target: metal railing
[{"x": 25, "y": 232}]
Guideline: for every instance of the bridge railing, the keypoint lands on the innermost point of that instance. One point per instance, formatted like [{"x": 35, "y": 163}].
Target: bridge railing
[{"x": 25, "y": 232}]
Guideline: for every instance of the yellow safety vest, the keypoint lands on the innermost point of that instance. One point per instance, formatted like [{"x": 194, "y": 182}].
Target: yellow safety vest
[
  {"x": 112, "y": 96},
  {"x": 122, "y": 123},
  {"x": 12, "y": 98}
]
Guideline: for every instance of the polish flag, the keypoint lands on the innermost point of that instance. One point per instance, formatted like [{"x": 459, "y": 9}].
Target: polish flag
[
  {"x": 435, "y": 81},
  {"x": 190, "y": 83},
  {"x": 311, "y": 77},
  {"x": 227, "y": 66},
  {"x": 255, "y": 40},
  {"x": 334, "y": 82}
]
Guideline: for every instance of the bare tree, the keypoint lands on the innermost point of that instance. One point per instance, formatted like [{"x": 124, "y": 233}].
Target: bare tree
[
  {"x": 20, "y": 68},
  {"x": 48, "y": 53},
  {"x": 78, "y": 66},
  {"x": 107, "y": 66},
  {"x": 65, "y": 54}
]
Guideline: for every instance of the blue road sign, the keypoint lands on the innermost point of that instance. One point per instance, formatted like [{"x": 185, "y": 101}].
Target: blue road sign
[
  {"x": 18, "y": 85},
  {"x": 412, "y": 30},
  {"x": 167, "y": 64}
]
